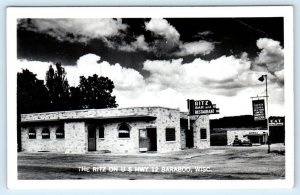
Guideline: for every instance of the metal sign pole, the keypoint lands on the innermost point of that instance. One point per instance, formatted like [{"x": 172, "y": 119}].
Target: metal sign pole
[
  {"x": 189, "y": 122},
  {"x": 267, "y": 113},
  {"x": 189, "y": 107}
]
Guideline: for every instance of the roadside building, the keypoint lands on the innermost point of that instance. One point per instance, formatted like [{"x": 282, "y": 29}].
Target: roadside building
[
  {"x": 116, "y": 130},
  {"x": 225, "y": 130},
  {"x": 255, "y": 136}
]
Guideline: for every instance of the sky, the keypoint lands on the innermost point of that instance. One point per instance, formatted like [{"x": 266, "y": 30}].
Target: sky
[{"x": 164, "y": 61}]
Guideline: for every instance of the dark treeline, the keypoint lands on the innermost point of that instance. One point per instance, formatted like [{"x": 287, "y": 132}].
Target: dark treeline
[
  {"x": 34, "y": 95},
  {"x": 55, "y": 94},
  {"x": 246, "y": 121}
]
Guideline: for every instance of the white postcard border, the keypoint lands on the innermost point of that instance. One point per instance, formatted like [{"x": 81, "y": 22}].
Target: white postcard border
[{"x": 147, "y": 12}]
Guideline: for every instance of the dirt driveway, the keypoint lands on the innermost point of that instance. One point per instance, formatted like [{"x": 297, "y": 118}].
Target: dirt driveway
[{"x": 212, "y": 163}]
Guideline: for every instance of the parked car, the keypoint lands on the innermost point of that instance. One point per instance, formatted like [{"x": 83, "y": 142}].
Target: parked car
[{"x": 242, "y": 142}]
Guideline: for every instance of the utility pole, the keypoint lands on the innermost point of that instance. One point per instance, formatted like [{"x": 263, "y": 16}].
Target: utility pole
[
  {"x": 267, "y": 110},
  {"x": 267, "y": 103}
]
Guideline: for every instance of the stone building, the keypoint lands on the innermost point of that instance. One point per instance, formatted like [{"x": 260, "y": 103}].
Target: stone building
[{"x": 116, "y": 130}]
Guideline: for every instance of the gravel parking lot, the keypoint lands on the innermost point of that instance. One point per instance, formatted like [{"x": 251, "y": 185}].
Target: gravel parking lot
[{"x": 213, "y": 163}]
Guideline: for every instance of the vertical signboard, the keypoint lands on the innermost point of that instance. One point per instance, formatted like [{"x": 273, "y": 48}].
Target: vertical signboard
[{"x": 258, "y": 110}]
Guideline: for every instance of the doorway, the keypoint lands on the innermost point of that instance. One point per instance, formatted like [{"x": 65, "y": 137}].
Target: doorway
[
  {"x": 147, "y": 140},
  {"x": 91, "y": 138},
  {"x": 189, "y": 137},
  {"x": 152, "y": 139}
]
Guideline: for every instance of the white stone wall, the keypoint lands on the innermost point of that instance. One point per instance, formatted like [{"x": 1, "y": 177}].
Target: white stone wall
[
  {"x": 165, "y": 119},
  {"x": 113, "y": 143},
  {"x": 201, "y": 122},
  {"x": 168, "y": 119},
  {"x": 76, "y": 131},
  {"x": 240, "y": 133},
  {"x": 182, "y": 136},
  {"x": 75, "y": 137},
  {"x": 34, "y": 145}
]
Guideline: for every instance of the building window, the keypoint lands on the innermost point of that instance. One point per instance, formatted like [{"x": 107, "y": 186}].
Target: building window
[
  {"x": 101, "y": 131},
  {"x": 124, "y": 131},
  {"x": 60, "y": 133},
  {"x": 46, "y": 133},
  {"x": 170, "y": 134},
  {"x": 203, "y": 134},
  {"x": 32, "y": 133}
]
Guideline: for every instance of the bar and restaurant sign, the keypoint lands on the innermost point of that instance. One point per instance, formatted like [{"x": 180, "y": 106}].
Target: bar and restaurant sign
[
  {"x": 202, "y": 107},
  {"x": 259, "y": 110}
]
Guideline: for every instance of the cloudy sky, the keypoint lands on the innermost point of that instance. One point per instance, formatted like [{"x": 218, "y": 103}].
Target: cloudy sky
[{"x": 163, "y": 62}]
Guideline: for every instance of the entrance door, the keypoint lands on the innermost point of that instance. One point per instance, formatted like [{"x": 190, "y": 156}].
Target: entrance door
[
  {"x": 189, "y": 138},
  {"x": 91, "y": 138},
  {"x": 152, "y": 139},
  {"x": 147, "y": 140},
  {"x": 143, "y": 140}
]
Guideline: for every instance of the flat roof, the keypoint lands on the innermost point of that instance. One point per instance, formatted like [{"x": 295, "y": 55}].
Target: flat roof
[{"x": 145, "y": 117}]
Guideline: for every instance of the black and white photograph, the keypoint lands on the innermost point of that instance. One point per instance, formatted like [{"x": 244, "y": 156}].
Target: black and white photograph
[{"x": 179, "y": 94}]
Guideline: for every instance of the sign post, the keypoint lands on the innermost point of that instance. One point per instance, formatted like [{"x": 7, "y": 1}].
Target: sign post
[
  {"x": 188, "y": 102},
  {"x": 261, "y": 79}
]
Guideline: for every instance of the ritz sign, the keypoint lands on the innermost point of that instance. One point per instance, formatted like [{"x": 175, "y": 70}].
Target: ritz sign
[{"x": 202, "y": 107}]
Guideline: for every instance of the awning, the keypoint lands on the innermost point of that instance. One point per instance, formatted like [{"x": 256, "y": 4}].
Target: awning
[{"x": 123, "y": 131}]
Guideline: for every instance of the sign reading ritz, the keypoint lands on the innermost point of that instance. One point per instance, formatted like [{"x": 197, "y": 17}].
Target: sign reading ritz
[{"x": 202, "y": 107}]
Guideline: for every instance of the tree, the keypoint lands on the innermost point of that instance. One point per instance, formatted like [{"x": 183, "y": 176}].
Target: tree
[
  {"x": 32, "y": 96},
  {"x": 96, "y": 92},
  {"x": 75, "y": 101},
  {"x": 58, "y": 88}
]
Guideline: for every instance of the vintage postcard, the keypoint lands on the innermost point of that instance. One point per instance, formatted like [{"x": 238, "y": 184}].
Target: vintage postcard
[{"x": 150, "y": 97}]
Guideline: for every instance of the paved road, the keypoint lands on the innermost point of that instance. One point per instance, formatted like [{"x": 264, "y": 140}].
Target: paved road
[{"x": 213, "y": 163}]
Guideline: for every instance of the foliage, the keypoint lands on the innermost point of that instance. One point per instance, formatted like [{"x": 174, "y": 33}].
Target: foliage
[
  {"x": 56, "y": 94},
  {"x": 96, "y": 92},
  {"x": 35, "y": 96},
  {"x": 58, "y": 88},
  {"x": 32, "y": 95}
]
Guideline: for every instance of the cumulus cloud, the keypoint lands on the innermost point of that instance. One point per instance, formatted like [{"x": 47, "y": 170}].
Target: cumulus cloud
[
  {"x": 280, "y": 74},
  {"x": 37, "y": 67},
  {"x": 171, "y": 44},
  {"x": 217, "y": 73},
  {"x": 195, "y": 48},
  {"x": 166, "y": 36},
  {"x": 271, "y": 56},
  {"x": 163, "y": 28},
  {"x": 227, "y": 81},
  {"x": 113, "y": 32},
  {"x": 74, "y": 29},
  {"x": 123, "y": 78},
  {"x": 138, "y": 45},
  {"x": 87, "y": 65}
]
